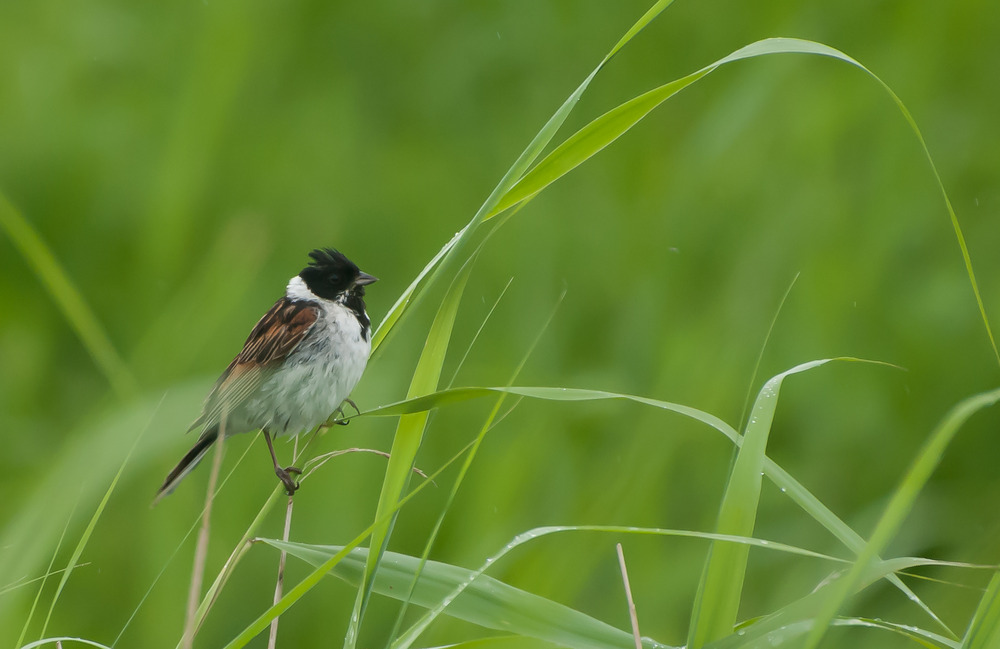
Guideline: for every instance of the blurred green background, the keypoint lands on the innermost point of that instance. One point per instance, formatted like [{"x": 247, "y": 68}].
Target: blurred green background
[{"x": 180, "y": 160}]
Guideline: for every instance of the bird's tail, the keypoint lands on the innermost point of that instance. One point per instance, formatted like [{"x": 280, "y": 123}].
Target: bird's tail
[{"x": 188, "y": 462}]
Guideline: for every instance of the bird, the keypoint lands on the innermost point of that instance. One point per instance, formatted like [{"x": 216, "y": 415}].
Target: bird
[{"x": 298, "y": 365}]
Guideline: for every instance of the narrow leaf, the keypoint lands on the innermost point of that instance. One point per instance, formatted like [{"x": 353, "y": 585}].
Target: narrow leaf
[
  {"x": 487, "y": 602},
  {"x": 984, "y": 630},
  {"x": 718, "y": 600},
  {"x": 899, "y": 507},
  {"x": 409, "y": 433}
]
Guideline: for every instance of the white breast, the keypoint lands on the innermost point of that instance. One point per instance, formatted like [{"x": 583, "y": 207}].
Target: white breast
[{"x": 316, "y": 378}]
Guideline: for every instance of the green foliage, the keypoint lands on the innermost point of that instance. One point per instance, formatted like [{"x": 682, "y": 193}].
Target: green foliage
[{"x": 125, "y": 164}]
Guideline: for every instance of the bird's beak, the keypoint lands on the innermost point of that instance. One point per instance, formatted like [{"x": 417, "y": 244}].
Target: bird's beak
[{"x": 365, "y": 278}]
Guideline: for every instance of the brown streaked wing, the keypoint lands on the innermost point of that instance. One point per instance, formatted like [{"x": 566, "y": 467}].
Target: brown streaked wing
[{"x": 272, "y": 339}]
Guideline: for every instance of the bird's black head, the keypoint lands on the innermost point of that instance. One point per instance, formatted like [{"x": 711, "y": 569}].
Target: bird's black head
[{"x": 331, "y": 275}]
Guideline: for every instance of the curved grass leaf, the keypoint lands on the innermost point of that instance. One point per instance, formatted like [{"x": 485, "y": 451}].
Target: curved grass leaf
[
  {"x": 64, "y": 639},
  {"x": 607, "y": 128},
  {"x": 503, "y": 642},
  {"x": 781, "y": 478},
  {"x": 717, "y": 602},
  {"x": 487, "y": 602},
  {"x": 800, "y": 617},
  {"x": 471, "y": 596},
  {"x": 899, "y": 506},
  {"x": 513, "y": 175},
  {"x": 918, "y": 635}
]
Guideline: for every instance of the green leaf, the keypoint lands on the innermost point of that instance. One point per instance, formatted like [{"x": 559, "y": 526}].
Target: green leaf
[
  {"x": 503, "y": 642},
  {"x": 607, "y": 128},
  {"x": 513, "y": 174},
  {"x": 409, "y": 433},
  {"x": 486, "y": 601},
  {"x": 899, "y": 506},
  {"x": 799, "y": 617},
  {"x": 299, "y": 590},
  {"x": 717, "y": 602},
  {"x": 61, "y": 641},
  {"x": 781, "y": 478},
  {"x": 984, "y": 630}
]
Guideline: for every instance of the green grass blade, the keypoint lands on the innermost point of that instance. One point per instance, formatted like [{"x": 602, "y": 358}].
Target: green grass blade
[
  {"x": 473, "y": 597},
  {"x": 479, "y": 331},
  {"x": 491, "y": 419},
  {"x": 409, "y": 433},
  {"x": 310, "y": 581},
  {"x": 899, "y": 506},
  {"x": 717, "y": 602},
  {"x": 503, "y": 642},
  {"x": 510, "y": 178},
  {"x": 68, "y": 298},
  {"x": 606, "y": 129},
  {"x": 763, "y": 346},
  {"x": 64, "y": 639},
  {"x": 403, "y": 301},
  {"x": 781, "y": 478},
  {"x": 918, "y": 635},
  {"x": 799, "y": 617},
  {"x": 984, "y": 630},
  {"x": 44, "y": 579},
  {"x": 487, "y": 602}
]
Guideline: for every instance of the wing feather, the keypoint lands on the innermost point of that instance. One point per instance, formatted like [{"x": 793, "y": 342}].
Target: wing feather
[{"x": 272, "y": 339}]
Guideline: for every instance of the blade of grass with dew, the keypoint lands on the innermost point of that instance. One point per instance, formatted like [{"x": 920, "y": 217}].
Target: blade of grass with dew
[
  {"x": 503, "y": 642},
  {"x": 57, "y": 641},
  {"x": 459, "y": 479},
  {"x": 510, "y": 178},
  {"x": 918, "y": 635},
  {"x": 311, "y": 580},
  {"x": 984, "y": 629},
  {"x": 488, "y": 602},
  {"x": 503, "y": 615},
  {"x": 68, "y": 298},
  {"x": 781, "y": 478},
  {"x": 900, "y": 505},
  {"x": 409, "y": 433},
  {"x": 798, "y": 617},
  {"x": 469, "y": 595},
  {"x": 717, "y": 602},
  {"x": 763, "y": 346}
]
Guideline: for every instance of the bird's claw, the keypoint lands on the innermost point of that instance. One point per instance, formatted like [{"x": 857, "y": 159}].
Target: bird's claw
[{"x": 291, "y": 486}]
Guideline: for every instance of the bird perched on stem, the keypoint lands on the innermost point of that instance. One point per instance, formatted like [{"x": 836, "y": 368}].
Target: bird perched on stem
[{"x": 297, "y": 367}]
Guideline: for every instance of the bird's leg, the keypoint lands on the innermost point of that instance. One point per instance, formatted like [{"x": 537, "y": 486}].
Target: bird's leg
[
  {"x": 283, "y": 474},
  {"x": 342, "y": 421}
]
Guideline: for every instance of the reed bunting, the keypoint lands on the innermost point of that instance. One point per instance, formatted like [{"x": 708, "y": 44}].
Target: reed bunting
[{"x": 297, "y": 367}]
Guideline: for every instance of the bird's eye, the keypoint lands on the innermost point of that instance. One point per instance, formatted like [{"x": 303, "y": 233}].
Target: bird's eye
[{"x": 333, "y": 279}]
